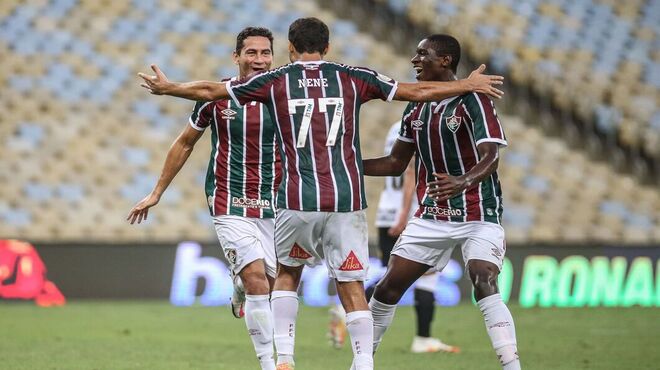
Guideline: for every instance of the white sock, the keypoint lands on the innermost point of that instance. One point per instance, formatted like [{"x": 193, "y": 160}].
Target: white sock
[
  {"x": 382, "y": 314},
  {"x": 501, "y": 330},
  {"x": 259, "y": 322},
  {"x": 284, "y": 304},
  {"x": 360, "y": 326}
]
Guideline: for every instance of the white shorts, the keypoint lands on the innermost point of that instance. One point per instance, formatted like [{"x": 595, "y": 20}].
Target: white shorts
[
  {"x": 431, "y": 242},
  {"x": 306, "y": 238},
  {"x": 244, "y": 240}
]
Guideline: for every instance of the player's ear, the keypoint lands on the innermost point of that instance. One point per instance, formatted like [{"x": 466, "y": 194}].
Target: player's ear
[
  {"x": 291, "y": 48},
  {"x": 446, "y": 61},
  {"x": 325, "y": 51},
  {"x": 235, "y": 56}
]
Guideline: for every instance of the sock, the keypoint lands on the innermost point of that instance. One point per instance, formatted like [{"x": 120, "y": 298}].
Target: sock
[
  {"x": 501, "y": 330},
  {"x": 360, "y": 326},
  {"x": 284, "y": 304},
  {"x": 259, "y": 322},
  {"x": 424, "y": 307},
  {"x": 382, "y": 314}
]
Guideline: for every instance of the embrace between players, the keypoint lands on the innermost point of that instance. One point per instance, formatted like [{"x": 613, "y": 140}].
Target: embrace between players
[{"x": 303, "y": 118}]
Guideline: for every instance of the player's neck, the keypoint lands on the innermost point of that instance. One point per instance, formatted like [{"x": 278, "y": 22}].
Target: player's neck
[
  {"x": 447, "y": 76},
  {"x": 309, "y": 57}
]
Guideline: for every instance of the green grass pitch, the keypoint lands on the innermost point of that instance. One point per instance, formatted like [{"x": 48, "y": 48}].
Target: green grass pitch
[{"x": 155, "y": 335}]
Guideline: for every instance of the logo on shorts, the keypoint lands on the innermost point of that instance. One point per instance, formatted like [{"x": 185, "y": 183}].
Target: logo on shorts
[
  {"x": 453, "y": 122},
  {"x": 299, "y": 253},
  {"x": 228, "y": 113},
  {"x": 351, "y": 263},
  {"x": 496, "y": 252},
  {"x": 417, "y": 124},
  {"x": 230, "y": 254}
]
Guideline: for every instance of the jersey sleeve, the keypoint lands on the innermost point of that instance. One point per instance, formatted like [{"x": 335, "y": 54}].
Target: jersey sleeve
[
  {"x": 201, "y": 116},
  {"x": 373, "y": 85},
  {"x": 486, "y": 124},
  {"x": 405, "y": 132},
  {"x": 252, "y": 88}
]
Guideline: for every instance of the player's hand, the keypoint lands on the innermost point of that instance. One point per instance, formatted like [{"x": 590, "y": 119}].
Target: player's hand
[
  {"x": 141, "y": 210},
  {"x": 485, "y": 83},
  {"x": 157, "y": 84},
  {"x": 445, "y": 186},
  {"x": 397, "y": 228}
]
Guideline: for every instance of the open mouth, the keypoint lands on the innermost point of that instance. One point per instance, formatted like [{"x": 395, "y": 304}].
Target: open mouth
[{"x": 418, "y": 70}]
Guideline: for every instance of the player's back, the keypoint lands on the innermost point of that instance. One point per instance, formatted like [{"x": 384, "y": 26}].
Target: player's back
[{"x": 316, "y": 107}]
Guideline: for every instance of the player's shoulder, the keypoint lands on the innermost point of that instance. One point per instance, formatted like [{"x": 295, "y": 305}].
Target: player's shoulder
[{"x": 475, "y": 98}]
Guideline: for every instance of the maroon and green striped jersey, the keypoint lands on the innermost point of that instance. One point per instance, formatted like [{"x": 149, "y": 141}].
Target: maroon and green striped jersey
[
  {"x": 244, "y": 170},
  {"x": 446, "y": 135},
  {"x": 316, "y": 107}
]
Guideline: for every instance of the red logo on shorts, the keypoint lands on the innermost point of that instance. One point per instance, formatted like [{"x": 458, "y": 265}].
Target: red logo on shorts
[
  {"x": 298, "y": 252},
  {"x": 351, "y": 263}
]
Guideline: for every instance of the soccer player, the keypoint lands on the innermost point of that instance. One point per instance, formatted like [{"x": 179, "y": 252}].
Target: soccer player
[
  {"x": 456, "y": 142},
  {"x": 394, "y": 211},
  {"x": 316, "y": 105},
  {"x": 243, "y": 175}
]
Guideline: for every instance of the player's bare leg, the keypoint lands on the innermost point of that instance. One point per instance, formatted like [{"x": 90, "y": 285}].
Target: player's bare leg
[
  {"x": 400, "y": 275},
  {"x": 284, "y": 303},
  {"x": 499, "y": 323},
  {"x": 359, "y": 323},
  {"x": 258, "y": 315}
]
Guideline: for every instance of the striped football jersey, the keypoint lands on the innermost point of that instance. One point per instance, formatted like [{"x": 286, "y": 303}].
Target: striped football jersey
[
  {"x": 446, "y": 135},
  {"x": 315, "y": 106}
]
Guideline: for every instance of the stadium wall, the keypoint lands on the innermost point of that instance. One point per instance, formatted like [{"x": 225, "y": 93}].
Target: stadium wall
[{"x": 191, "y": 273}]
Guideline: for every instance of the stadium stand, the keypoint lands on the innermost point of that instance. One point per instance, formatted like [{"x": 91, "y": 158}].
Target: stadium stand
[
  {"x": 598, "y": 59},
  {"x": 82, "y": 142}
]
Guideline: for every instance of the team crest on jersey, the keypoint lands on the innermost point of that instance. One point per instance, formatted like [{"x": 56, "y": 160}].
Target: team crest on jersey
[
  {"x": 417, "y": 124},
  {"x": 228, "y": 113},
  {"x": 453, "y": 122},
  {"x": 351, "y": 263}
]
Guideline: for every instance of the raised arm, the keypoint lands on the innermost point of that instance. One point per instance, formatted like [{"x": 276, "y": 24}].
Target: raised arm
[
  {"x": 197, "y": 90},
  {"x": 436, "y": 90},
  {"x": 393, "y": 164},
  {"x": 176, "y": 158}
]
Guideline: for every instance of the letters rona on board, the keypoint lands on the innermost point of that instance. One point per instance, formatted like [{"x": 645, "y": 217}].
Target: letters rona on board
[{"x": 544, "y": 281}]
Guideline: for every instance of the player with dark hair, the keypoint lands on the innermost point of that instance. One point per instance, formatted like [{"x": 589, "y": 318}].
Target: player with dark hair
[
  {"x": 316, "y": 105},
  {"x": 456, "y": 142},
  {"x": 243, "y": 175}
]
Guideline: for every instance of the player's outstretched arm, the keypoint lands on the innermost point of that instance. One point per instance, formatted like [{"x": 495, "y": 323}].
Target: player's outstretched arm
[
  {"x": 158, "y": 84},
  {"x": 393, "y": 164},
  {"x": 446, "y": 186},
  {"x": 176, "y": 157},
  {"x": 436, "y": 90}
]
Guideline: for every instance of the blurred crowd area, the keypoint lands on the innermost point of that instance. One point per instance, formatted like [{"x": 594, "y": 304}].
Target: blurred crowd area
[{"x": 82, "y": 142}]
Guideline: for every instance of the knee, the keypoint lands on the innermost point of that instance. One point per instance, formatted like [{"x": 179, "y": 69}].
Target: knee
[
  {"x": 255, "y": 283},
  {"x": 484, "y": 280},
  {"x": 387, "y": 293}
]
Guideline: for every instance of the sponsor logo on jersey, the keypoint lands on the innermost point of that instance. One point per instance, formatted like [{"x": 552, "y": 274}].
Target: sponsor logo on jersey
[
  {"x": 453, "y": 122},
  {"x": 312, "y": 82},
  {"x": 489, "y": 211},
  {"x": 351, "y": 263},
  {"x": 417, "y": 124},
  {"x": 245, "y": 202},
  {"x": 439, "y": 211},
  {"x": 298, "y": 252},
  {"x": 228, "y": 113}
]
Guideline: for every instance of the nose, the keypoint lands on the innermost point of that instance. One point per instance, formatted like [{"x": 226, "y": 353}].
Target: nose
[{"x": 415, "y": 59}]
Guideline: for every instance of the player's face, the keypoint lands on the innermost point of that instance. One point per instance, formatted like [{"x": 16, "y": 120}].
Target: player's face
[
  {"x": 255, "y": 56},
  {"x": 428, "y": 65}
]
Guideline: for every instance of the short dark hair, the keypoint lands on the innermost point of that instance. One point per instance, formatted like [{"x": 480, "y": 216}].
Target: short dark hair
[
  {"x": 446, "y": 45},
  {"x": 309, "y": 35},
  {"x": 253, "y": 31}
]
